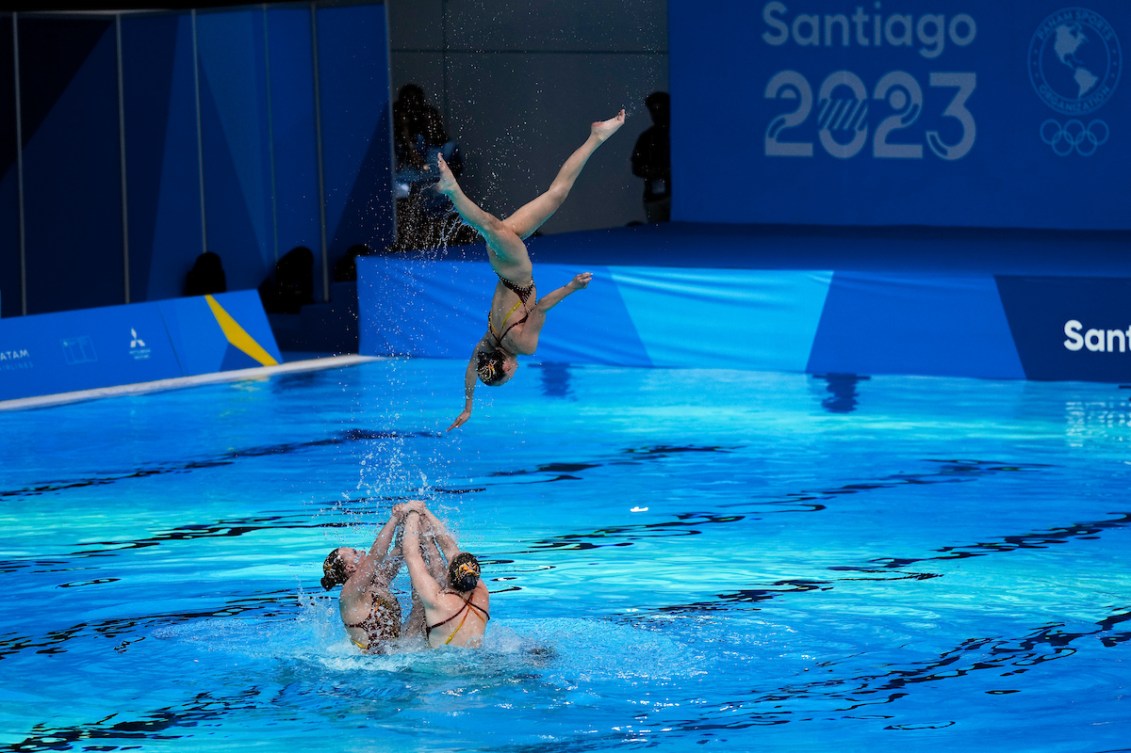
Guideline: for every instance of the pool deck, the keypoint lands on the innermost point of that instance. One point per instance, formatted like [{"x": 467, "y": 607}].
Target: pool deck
[
  {"x": 873, "y": 249},
  {"x": 262, "y": 372}
]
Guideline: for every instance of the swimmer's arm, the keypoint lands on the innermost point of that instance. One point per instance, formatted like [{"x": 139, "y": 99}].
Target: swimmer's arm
[
  {"x": 443, "y": 537},
  {"x": 434, "y": 559},
  {"x": 370, "y": 565},
  {"x": 530, "y": 332},
  {"x": 469, "y": 378},
  {"x": 434, "y": 533},
  {"x": 554, "y": 297},
  {"x": 384, "y": 537},
  {"x": 422, "y": 581}
]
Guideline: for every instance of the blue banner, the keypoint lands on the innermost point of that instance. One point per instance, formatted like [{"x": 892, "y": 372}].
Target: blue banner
[
  {"x": 901, "y": 112},
  {"x": 71, "y": 351},
  {"x": 87, "y": 349},
  {"x": 821, "y": 322},
  {"x": 1069, "y": 328}
]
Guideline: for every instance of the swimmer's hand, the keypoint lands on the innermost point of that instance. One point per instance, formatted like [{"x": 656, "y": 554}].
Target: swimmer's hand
[
  {"x": 581, "y": 281},
  {"x": 461, "y": 420},
  {"x": 414, "y": 505}
]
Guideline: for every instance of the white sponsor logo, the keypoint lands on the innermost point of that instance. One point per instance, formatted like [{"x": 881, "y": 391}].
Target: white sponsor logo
[
  {"x": 16, "y": 358},
  {"x": 1096, "y": 340},
  {"x": 929, "y": 32},
  {"x": 138, "y": 349}
]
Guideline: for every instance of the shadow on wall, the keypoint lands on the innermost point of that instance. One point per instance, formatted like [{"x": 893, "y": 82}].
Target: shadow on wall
[
  {"x": 291, "y": 285},
  {"x": 206, "y": 276}
]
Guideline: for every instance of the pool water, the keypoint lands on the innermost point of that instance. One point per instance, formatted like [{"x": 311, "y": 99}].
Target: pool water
[{"x": 677, "y": 559}]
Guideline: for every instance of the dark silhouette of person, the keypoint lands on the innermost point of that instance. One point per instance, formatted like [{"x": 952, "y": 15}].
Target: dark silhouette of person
[
  {"x": 420, "y": 139},
  {"x": 652, "y": 161},
  {"x": 346, "y": 268},
  {"x": 291, "y": 284},
  {"x": 418, "y": 135},
  {"x": 206, "y": 276}
]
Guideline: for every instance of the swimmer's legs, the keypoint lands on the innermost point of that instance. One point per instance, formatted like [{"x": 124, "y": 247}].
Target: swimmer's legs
[
  {"x": 505, "y": 250},
  {"x": 533, "y": 215}
]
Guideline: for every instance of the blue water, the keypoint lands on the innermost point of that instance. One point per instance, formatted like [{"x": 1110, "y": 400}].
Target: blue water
[{"x": 677, "y": 559}]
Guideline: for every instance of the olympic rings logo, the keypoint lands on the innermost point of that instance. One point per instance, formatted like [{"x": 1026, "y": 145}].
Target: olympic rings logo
[{"x": 1074, "y": 136}]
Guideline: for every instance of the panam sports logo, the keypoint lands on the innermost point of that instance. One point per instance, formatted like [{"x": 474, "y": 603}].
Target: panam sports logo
[{"x": 1075, "y": 64}]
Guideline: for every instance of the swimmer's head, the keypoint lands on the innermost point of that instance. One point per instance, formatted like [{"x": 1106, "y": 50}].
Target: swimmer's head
[
  {"x": 412, "y": 95},
  {"x": 338, "y": 566},
  {"x": 495, "y": 367},
  {"x": 463, "y": 572},
  {"x": 659, "y": 106}
]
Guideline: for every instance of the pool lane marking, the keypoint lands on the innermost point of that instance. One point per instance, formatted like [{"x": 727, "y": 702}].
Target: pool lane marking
[{"x": 227, "y": 458}]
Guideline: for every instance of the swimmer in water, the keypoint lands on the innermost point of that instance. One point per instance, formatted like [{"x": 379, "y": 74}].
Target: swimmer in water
[
  {"x": 455, "y": 608},
  {"x": 516, "y": 316},
  {"x": 370, "y": 611}
]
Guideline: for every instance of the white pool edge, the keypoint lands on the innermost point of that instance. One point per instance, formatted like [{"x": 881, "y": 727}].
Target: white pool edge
[{"x": 260, "y": 372}]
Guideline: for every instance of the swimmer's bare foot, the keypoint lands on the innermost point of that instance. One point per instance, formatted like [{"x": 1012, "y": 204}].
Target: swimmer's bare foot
[
  {"x": 603, "y": 129},
  {"x": 447, "y": 184}
]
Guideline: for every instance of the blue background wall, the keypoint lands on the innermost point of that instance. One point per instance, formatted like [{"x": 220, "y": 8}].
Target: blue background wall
[
  {"x": 1005, "y": 114},
  {"x": 204, "y": 133},
  {"x": 10, "y": 272},
  {"x": 71, "y": 160}
]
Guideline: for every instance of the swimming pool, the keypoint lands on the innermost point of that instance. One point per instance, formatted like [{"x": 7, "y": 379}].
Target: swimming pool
[{"x": 677, "y": 558}]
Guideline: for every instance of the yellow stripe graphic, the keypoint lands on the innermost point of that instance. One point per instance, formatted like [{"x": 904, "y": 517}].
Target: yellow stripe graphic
[{"x": 238, "y": 336}]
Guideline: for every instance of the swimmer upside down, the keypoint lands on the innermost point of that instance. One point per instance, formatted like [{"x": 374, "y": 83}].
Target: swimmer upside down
[{"x": 516, "y": 316}]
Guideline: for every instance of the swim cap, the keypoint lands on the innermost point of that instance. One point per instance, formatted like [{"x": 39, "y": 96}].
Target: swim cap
[
  {"x": 489, "y": 367},
  {"x": 333, "y": 570},
  {"x": 463, "y": 572}
]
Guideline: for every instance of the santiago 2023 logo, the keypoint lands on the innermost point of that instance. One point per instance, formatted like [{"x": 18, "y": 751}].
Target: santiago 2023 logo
[{"x": 1075, "y": 62}]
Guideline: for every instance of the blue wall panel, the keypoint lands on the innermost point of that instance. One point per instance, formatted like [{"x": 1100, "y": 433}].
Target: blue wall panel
[
  {"x": 710, "y": 318},
  {"x": 202, "y": 345},
  {"x": 221, "y": 147},
  {"x": 944, "y": 325},
  {"x": 237, "y": 168},
  {"x": 392, "y": 293},
  {"x": 148, "y": 45},
  {"x": 356, "y": 131},
  {"x": 738, "y": 319},
  {"x": 966, "y": 324},
  {"x": 73, "y": 197},
  {"x": 439, "y": 310},
  {"x": 11, "y": 296},
  {"x": 598, "y": 319},
  {"x": 163, "y": 177},
  {"x": 290, "y": 52}
]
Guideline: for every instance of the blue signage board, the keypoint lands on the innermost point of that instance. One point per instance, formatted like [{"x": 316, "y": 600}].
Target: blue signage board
[
  {"x": 76, "y": 350},
  {"x": 901, "y": 112},
  {"x": 70, "y": 351},
  {"x": 1069, "y": 328}
]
